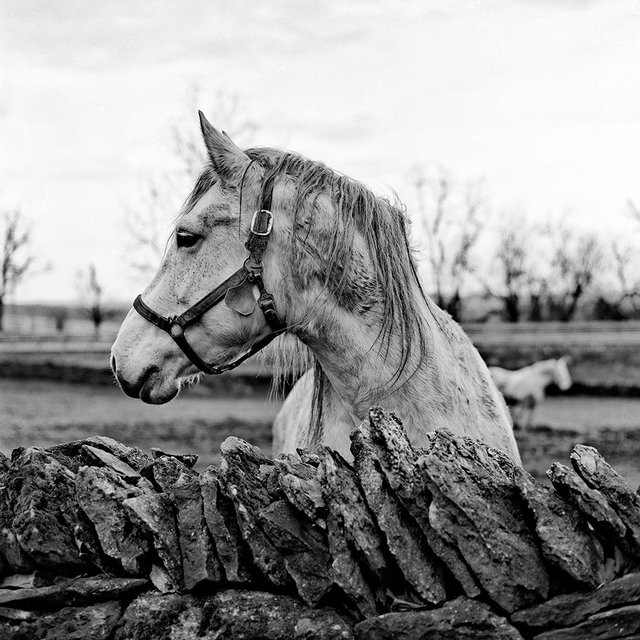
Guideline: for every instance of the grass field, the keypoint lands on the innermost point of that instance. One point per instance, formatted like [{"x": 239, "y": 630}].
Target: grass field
[{"x": 43, "y": 412}]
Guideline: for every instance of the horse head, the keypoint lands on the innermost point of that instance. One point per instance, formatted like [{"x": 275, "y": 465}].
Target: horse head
[
  {"x": 561, "y": 375},
  {"x": 309, "y": 258},
  {"x": 206, "y": 249}
]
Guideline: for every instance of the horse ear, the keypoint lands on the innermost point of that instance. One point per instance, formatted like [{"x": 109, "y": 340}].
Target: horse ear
[{"x": 227, "y": 158}]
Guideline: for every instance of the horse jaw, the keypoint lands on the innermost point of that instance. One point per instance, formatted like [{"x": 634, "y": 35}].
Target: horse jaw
[{"x": 146, "y": 363}]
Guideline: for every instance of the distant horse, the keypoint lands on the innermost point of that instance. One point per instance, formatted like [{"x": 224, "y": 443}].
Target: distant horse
[
  {"x": 524, "y": 388},
  {"x": 326, "y": 261}
]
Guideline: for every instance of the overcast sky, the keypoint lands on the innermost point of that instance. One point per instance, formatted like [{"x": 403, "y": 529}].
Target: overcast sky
[{"x": 539, "y": 98}]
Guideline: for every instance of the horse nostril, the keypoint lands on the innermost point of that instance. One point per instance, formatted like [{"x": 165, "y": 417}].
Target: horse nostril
[
  {"x": 113, "y": 364},
  {"x": 131, "y": 389}
]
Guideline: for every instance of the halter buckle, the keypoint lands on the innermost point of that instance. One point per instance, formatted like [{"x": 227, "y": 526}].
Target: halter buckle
[{"x": 256, "y": 219}]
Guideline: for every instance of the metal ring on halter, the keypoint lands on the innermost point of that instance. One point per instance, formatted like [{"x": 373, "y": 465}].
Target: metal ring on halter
[{"x": 176, "y": 329}]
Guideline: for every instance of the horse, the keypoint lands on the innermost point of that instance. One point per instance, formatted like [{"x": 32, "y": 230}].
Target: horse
[
  {"x": 323, "y": 270},
  {"x": 524, "y": 388}
]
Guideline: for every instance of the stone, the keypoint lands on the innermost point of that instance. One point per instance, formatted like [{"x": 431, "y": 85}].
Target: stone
[
  {"x": 158, "y": 615},
  {"x": 232, "y": 613},
  {"x": 162, "y": 580},
  {"x": 623, "y": 622},
  {"x": 570, "y": 609},
  {"x": 4, "y": 463},
  {"x": 347, "y": 505},
  {"x": 16, "y": 614},
  {"x": 249, "y": 478},
  {"x": 100, "y": 458},
  {"x": 398, "y": 462},
  {"x": 598, "y": 474},
  {"x": 309, "y": 457},
  {"x": 24, "y": 580},
  {"x": 304, "y": 548},
  {"x": 181, "y": 485},
  {"x": 77, "y": 591},
  {"x": 460, "y": 619},
  {"x": 41, "y": 495},
  {"x": 13, "y": 556},
  {"x": 133, "y": 456},
  {"x": 301, "y": 486},
  {"x": 393, "y": 449},
  {"x": 154, "y": 514},
  {"x": 477, "y": 508},
  {"x": 94, "y": 622},
  {"x": 101, "y": 494},
  {"x": 164, "y": 471},
  {"x": 188, "y": 459},
  {"x": 406, "y": 543},
  {"x": 347, "y": 575},
  {"x": 73, "y": 456},
  {"x": 200, "y": 562},
  {"x": 590, "y": 502},
  {"x": 565, "y": 539},
  {"x": 221, "y": 520},
  {"x": 322, "y": 624}
]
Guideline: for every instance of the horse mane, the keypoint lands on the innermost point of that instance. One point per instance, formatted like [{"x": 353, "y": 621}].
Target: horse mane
[{"x": 390, "y": 277}]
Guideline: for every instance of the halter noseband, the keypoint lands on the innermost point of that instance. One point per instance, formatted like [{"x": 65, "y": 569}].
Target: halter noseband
[{"x": 250, "y": 272}]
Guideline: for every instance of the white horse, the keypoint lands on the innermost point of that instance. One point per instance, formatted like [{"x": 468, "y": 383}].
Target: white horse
[
  {"x": 524, "y": 388},
  {"x": 329, "y": 264}
]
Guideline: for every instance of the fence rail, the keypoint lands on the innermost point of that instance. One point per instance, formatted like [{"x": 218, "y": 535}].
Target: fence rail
[{"x": 550, "y": 333}]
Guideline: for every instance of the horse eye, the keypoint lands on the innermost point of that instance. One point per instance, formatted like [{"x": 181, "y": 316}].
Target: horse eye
[{"x": 184, "y": 239}]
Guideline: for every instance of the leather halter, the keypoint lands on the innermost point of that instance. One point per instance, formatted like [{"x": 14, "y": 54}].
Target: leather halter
[{"x": 250, "y": 272}]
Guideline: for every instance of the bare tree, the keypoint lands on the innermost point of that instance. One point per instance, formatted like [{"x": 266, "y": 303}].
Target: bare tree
[
  {"x": 16, "y": 261},
  {"x": 512, "y": 261},
  {"x": 524, "y": 258},
  {"x": 59, "y": 314},
  {"x": 161, "y": 195},
  {"x": 91, "y": 295},
  {"x": 537, "y": 293},
  {"x": 450, "y": 217},
  {"x": 576, "y": 261},
  {"x": 622, "y": 299},
  {"x": 145, "y": 223}
]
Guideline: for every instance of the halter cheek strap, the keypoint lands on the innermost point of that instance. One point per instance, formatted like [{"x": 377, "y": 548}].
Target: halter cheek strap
[{"x": 250, "y": 274}]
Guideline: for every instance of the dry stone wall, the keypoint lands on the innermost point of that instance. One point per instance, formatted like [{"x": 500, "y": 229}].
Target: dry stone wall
[{"x": 100, "y": 540}]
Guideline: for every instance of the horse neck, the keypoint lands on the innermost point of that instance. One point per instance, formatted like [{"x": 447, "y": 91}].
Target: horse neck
[
  {"x": 433, "y": 389},
  {"x": 546, "y": 370},
  {"x": 346, "y": 349}
]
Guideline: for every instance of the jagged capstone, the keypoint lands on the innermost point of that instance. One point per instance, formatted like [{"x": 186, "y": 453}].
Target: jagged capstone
[{"x": 102, "y": 540}]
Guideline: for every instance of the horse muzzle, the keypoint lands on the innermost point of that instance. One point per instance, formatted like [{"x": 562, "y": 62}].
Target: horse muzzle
[{"x": 151, "y": 386}]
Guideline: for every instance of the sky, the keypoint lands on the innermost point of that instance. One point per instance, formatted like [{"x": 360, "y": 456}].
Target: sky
[{"x": 538, "y": 98}]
